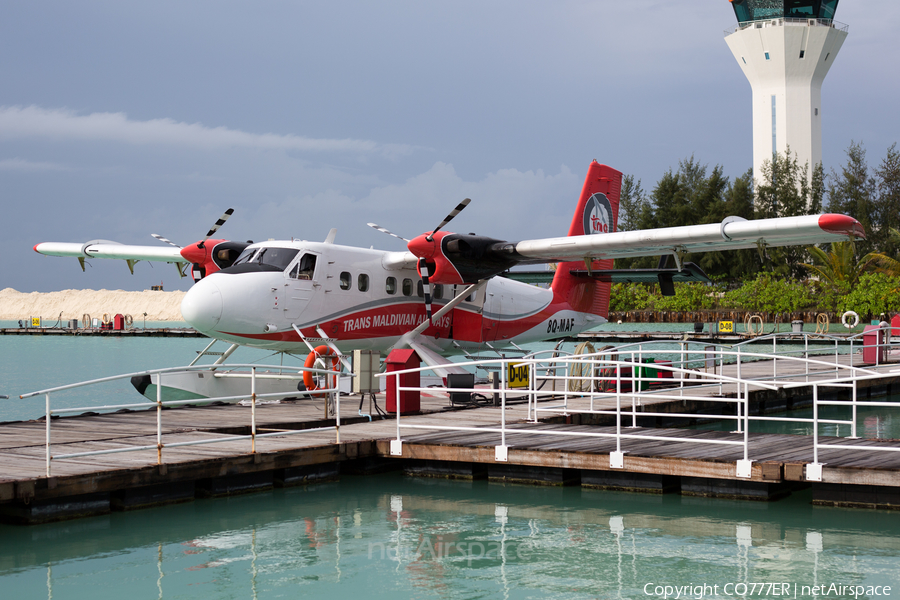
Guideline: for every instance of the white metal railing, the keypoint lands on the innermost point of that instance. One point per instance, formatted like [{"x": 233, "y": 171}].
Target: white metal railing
[
  {"x": 273, "y": 372},
  {"x": 775, "y": 21},
  {"x": 622, "y": 382}
]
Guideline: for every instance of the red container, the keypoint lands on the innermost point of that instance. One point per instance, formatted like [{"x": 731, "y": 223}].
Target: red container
[
  {"x": 895, "y": 326},
  {"x": 662, "y": 373},
  {"x": 119, "y": 322},
  {"x": 874, "y": 350},
  {"x": 410, "y": 400}
]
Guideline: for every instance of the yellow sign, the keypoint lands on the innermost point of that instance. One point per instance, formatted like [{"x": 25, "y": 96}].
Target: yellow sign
[
  {"x": 726, "y": 326},
  {"x": 517, "y": 375},
  {"x": 35, "y": 321}
]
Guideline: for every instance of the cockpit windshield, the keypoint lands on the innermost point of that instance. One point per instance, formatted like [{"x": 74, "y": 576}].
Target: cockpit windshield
[
  {"x": 245, "y": 256},
  {"x": 272, "y": 257}
]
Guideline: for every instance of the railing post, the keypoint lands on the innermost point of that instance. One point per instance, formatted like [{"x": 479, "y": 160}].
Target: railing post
[
  {"x": 806, "y": 355},
  {"x": 503, "y": 403},
  {"x": 619, "y": 408},
  {"x": 774, "y": 357},
  {"x": 746, "y": 420},
  {"x": 815, "y": 423},
  {"x": 337, "y": 409},
  {"x": 252, "y": 410},
  {"x": 47, "y": 416},
  {"x": 635, "y": 383},
  {"x": 532, "y": 390},
  {"x": 853, "y": 419},
  {"x": 159, "y": 418},
  {"x": 397, "y": 399}
]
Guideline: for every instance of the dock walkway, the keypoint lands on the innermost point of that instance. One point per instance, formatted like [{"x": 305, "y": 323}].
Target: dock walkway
[{"x": 295, "y": 444}]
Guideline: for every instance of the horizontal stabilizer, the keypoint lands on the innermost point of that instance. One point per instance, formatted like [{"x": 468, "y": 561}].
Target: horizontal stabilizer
[{"x": 666, "y": 278}]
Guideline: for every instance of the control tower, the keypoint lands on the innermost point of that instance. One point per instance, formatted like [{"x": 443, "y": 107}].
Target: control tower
[{"x": 785, "y": 48}]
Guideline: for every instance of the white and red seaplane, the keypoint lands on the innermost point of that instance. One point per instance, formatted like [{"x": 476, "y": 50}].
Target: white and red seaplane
[{"x": 295, "y": 296}]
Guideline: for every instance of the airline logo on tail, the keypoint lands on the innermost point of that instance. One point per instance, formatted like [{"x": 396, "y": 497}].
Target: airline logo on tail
[{"x": 597, "y": 214}]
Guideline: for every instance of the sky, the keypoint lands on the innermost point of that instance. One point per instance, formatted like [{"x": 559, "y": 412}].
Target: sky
[{"x": 123, "y": 119}]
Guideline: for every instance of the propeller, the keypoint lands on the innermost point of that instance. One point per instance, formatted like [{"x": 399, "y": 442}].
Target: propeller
[
  {"x": 450, "y": 217},
  {"x": 164, "y": 240},
  {"x": 216, "y": 226},
  {"x": 426, "y": 287},
  {"x": 383, "y": 230},
  {"x": 422, "y": 263}
]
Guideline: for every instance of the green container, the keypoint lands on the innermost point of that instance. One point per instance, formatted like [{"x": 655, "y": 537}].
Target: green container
[{"x": 645, "y": 374}]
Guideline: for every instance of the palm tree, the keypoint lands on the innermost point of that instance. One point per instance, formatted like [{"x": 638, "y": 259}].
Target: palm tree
[
  {"x": 887, "y": 265},
  {"x": 840, "y": 265}
]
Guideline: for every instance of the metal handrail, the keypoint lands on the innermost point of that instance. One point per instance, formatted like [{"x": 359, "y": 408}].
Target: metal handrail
[
  {"x": 333, "y": 393},
  {"x": 849, "y": 379}
]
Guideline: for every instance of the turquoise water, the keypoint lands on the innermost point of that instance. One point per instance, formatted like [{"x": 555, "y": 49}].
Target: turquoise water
[{"x": 392, "y": 537}]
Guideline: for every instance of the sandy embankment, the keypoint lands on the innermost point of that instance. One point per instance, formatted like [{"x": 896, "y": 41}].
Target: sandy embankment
[{"x": 73, "y": 304}]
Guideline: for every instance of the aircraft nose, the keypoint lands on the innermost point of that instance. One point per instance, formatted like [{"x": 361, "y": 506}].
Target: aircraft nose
[{"x": 201, "y": 307}]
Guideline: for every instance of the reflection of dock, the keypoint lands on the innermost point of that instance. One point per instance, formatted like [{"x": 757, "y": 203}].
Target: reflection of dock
[
  {"x": 96, "y": 331},
  {"x": 546, "y": 452}
]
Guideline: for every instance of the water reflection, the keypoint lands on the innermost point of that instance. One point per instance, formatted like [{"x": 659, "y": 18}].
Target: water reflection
[{"x": 390, "y": 536}]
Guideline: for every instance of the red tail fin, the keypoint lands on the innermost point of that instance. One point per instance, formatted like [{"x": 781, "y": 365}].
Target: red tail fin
[{"x": 597, "y": 213}]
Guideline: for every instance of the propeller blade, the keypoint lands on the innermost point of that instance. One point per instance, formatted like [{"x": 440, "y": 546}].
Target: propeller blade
[
  {"x": 450, "y": 217},
  {"x": 162, "y": 239},
  {"x": 383, "y": 230},
  {"x": 219, "y": 223},
  {"x": 426, "y": 287}
]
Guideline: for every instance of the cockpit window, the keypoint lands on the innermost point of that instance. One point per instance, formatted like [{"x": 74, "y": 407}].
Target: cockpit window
[
  {"x": 245, "y": 256},
  {"x": 305, "y": 268},
  {"x": 276, "y": 257}
]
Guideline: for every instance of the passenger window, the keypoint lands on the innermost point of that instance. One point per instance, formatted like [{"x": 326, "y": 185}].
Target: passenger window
[
  {"x": 419, "y": 289},
  {"x": 407, "y": 287},
  {"x": 390, "y": 285},
  {"x": 362, "y": 282},
  {"x": 438, "y": 291},
  {"x": 345, "y": 280}
]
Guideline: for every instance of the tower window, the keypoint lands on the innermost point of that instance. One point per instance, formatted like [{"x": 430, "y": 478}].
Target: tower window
[
  {"x": 744, "y": 59},
  {"x": 802, "y": 53},
  {"x": 817, "y": 112},
  {"x": 767, "y": 56},
  {"x": 827, "y": 55}
]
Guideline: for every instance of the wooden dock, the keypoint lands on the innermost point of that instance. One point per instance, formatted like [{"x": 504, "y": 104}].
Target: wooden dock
[
  {"x": 543, "y": 452},
  {"x": 96, "y": 331}
]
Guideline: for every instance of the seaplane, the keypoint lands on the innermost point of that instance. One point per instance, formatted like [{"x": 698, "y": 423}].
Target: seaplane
[{"x": 446, "y": 293}]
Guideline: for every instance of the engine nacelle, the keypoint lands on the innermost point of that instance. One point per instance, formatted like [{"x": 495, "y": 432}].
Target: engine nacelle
[
  {"x": 456, "y": 258},
  {"x": 212, "y": 255}
]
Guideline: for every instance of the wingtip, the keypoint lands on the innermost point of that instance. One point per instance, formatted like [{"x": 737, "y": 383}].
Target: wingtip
[{"x": 842, "y": 225}]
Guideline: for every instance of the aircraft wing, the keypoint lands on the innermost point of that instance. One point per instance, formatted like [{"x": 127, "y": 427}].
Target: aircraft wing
[
  {"x": 733, "y": 234},
  {"x": 107, "y": 249}
]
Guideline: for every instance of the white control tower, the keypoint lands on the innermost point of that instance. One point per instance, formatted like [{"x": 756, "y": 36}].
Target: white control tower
[{"x": 785, "y": 48}]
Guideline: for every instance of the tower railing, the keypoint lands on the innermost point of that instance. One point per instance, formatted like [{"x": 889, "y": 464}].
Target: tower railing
[{"x": 843, "y": 27}]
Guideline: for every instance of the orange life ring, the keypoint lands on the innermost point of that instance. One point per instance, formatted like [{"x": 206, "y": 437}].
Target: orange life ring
[{"x": 321, "y": 352}]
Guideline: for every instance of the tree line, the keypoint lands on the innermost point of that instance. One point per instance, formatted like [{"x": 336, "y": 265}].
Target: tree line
[
  {"x": 694, "y": 194},
  {"x": 851, "y": 272}
]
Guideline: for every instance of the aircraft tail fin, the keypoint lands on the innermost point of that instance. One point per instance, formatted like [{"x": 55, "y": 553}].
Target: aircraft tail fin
[{"x": 597, "y": 213}]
